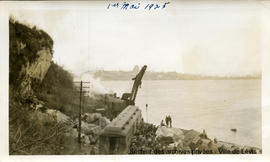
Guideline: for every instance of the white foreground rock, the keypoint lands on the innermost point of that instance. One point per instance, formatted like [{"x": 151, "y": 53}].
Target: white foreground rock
[
  {"x": 60, "y": 117},
  {"x": 176, "y": 133}
]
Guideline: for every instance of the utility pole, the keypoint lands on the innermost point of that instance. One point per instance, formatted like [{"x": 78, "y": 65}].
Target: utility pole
[
  {"x": 80, "y": 115},
  {"x": 83, "y": 98},
  {"x": 146, "y": 108},
  {"x": 80, "y": 108}
]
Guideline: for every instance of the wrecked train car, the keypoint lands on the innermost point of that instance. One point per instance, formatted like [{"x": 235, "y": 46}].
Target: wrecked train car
[{"x": 116, "y": 137}]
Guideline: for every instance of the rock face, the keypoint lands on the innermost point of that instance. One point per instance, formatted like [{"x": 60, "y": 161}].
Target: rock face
[
  {"x": 36, "y": 70},
  {"x": 30, "y": 56},
  {"x": 39, "y": 68}
]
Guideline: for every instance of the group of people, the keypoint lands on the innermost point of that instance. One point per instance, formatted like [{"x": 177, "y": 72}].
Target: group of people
[{"x": 168, "y": 120}]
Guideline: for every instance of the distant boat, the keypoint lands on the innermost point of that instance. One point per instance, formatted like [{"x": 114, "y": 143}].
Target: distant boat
[{"x": 234, "y": 129}]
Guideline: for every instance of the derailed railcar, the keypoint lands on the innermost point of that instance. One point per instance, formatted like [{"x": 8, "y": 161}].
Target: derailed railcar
[{"x": 116, "y": 136}]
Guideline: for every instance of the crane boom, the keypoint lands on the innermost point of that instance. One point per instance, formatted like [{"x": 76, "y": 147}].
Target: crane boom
[{"x": 130, "y": 97}]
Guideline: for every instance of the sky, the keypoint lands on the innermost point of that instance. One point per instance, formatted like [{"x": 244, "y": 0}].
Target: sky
[{"x": 217, "y": 38}]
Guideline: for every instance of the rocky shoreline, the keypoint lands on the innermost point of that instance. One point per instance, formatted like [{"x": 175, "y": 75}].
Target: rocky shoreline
[
  {"x": 151, "y": 139},
  {"x": 180, "y": 141}
]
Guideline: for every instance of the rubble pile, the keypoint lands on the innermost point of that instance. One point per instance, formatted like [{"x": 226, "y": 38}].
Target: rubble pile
[
  {"x": 91, "y": 126},
  {"x": 150, "y": 139}
]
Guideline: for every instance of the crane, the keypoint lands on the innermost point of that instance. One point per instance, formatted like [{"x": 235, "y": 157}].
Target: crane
[
  {"x": 130, "y": 97},
  {"x": 116, "y": 105}
]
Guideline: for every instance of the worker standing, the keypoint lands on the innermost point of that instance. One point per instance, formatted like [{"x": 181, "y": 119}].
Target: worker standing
[
  {"x": 162, "y": 123},
  {"x": 167, "y": 120},
  {"x": 170, "y": 120}
]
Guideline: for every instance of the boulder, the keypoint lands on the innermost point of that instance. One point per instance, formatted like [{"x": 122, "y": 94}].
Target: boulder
[
  {"x": 72, "y": 133},
  {"x": 85, "y": 139},
  {"x": 200, "y": 142},
  {"x": 96, "y": 130},
  {"x": 103, "y": 122},
  {"x": 96, "y": 118},
  {"x": 178, "y": 145},
  {"x": 191, "y": 136},
  {"x": 92, "y": 117},
  {"x": 175, "y": 134},
  {"x": 88, "y": 128},
  {"x": 60, "y": 117},
  {"x": 207, "y": 146},
  {"x": 213, "y": 147}
]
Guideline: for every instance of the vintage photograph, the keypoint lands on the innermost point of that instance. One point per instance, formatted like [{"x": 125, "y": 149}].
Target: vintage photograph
[{"x": 136, "y": 77}]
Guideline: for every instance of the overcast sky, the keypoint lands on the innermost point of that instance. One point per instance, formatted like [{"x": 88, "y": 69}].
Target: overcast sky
[{"x": 221, "y": 38}]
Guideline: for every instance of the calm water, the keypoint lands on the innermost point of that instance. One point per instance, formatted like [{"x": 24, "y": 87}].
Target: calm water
[{"x": 213, "y": 105}]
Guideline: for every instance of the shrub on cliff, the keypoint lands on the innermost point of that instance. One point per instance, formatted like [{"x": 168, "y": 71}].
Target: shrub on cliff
[{"x": 57, "y": 90}]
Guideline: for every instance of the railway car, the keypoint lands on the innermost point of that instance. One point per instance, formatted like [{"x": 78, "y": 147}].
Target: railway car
[{"x": 116, "y": 136}]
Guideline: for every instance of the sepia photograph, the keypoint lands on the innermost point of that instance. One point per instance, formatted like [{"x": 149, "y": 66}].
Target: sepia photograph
[{"x": 135, "y": 78}]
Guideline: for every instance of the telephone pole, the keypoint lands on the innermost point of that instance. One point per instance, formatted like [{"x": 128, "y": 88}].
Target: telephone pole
[
  {"x": 146, "y": 108},
  {"x": 80, "y": 107}
]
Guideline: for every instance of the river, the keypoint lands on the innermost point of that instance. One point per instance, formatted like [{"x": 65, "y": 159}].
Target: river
[{"x": 213, "y": 105}]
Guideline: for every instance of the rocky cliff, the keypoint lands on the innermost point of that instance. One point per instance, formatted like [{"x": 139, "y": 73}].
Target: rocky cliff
[
  {"x": 34, "y": 71},
  {"x": 42, "y": 102},
  {"x": 30, "y": 56},
  {"x": 33, "y": 130}
]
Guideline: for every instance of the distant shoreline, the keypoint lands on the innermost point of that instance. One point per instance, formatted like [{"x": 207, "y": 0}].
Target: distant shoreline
[
  {"x": 177, "y": 79},
  {"x": 149, "y": 75}
]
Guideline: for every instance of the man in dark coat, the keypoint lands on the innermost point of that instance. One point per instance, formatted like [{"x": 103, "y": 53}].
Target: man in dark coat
[
  {"x": 167, "y": 120},
  {"x": 170, "y": 121}
]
